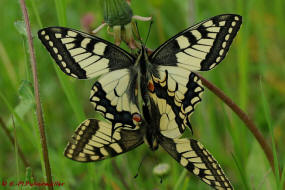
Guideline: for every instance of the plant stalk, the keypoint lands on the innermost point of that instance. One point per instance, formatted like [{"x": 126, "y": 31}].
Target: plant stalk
[
  {"x": 10, "y": 137},
  {"x": 37, "y": 95}
]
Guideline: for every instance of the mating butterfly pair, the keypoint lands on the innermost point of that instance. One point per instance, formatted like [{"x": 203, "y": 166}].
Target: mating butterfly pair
[{"x": 145, "y": 96}]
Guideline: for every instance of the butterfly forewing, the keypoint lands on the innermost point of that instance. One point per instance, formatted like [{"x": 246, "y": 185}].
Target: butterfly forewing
[
  {"x": 93, "y": 141},
  {"x": 81, "y": 55},
  {"x": 194, "y": 157},
  {"x": 200, "y": 47}
]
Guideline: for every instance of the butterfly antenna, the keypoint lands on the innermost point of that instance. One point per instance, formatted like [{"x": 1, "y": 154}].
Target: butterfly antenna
[
  {"x": 148, "y": 33},
  {"x": 137, "y": 174},
  {"x": 140, "y": 39}
]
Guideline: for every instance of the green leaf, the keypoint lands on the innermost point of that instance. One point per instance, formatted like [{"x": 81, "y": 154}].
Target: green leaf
[
  {"x": 20, "y": 26},
  {"x": 26, "y": 91},
  {"x": 26, "y": 100}
]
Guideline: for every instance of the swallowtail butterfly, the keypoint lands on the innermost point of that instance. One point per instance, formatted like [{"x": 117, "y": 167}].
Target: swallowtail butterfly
[
  {"x": 93, "y": 141},
  {"x": 166, "y": 74},
  {"x": 164, "y": 81}
]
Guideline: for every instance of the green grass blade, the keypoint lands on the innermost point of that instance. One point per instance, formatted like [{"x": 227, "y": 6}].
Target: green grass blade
[
  {"x": 60, "y": 6},
  {"x": 282, "y": 181},
  {"x": 266, "y": 110},
  {"x": 37, "y": 15},
  {"x": 16, "y": 151},
  {"x": 180, "y": 179},
  {"x": 242, "y": 173}
]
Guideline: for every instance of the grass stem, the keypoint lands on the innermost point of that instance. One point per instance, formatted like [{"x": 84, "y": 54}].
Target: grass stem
[
  {"x": 120, "y": 175},
  {"x": 37, "y": 95},
  {"x": 10, "y": 137}
]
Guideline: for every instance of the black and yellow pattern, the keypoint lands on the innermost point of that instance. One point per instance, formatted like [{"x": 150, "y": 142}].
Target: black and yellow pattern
[
  {"x": 181, "y": 93},
  {"x": 81, "y": 55},
  {"x": 192, "y": 155},
  {"x": 93, "y": 141},
  {"x": 200, "y": 47},
  {"x": 121, "y": 111}
]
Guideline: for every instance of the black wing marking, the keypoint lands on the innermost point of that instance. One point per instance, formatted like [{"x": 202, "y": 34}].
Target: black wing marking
[
  {"x": 200, "y": 47},
  {"x": 81, "y": 55},
  {"x": 194, "y": 157},
  {"x": 93, "y": 141},
  {"x": 181, "y": 89},
  {"x": 113, "y": 95}
]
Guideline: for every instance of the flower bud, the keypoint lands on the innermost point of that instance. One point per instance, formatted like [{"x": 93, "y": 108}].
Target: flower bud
[
  {"x": 118, "y": 15},
  {"x": 161, "y": 169},
  {"x": 117, "y": 12}
]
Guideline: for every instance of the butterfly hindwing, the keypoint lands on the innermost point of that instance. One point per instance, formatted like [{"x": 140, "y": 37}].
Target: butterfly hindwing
[
  {"x": 181, "y": 89},
  {"x": 200, "y": 47},
  {"x": 94, "y": 141},
  {"x": 81, "y": 55},
  {"x": 194, "y": 157},
  {"x": 162, "y": 117},
  {"x": 113, "y": 95}
]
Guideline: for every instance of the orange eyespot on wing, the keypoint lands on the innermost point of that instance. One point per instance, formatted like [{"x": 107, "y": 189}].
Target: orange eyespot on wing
[
  {"x": 137, "y": 117},
  {"x": 150, "y": 86}
]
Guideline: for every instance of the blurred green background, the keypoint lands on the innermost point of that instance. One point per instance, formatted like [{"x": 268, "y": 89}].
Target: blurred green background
[{"x": 256, "y": 58}]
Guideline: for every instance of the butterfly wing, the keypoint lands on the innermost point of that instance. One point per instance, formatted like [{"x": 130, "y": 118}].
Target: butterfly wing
[
  {"x": 181, "y": 93},
  {"x": 114, "y": 96},
  {"x": 194, "y": 157},
  {"x": 188, "y": 152},
  {"x": 81, "y": 55},
  {"x": 200, "y": 47},
  {"x": 93, "y": 141},
  {"x": 161, "y": 118}
]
